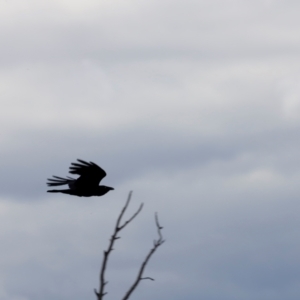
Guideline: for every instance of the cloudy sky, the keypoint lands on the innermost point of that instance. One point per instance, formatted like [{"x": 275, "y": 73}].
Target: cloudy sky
[{"x": 193, "y": 105}]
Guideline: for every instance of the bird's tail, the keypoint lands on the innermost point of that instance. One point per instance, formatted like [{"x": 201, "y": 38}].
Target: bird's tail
[
  {"x": 55, "y": 181},
  {"x": 68, "y": 191}
]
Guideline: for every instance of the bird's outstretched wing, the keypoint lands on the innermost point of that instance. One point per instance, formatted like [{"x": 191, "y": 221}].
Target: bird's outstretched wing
[
  {"x": 90, "y": 173},
  {"x": 55, "y": 181}
]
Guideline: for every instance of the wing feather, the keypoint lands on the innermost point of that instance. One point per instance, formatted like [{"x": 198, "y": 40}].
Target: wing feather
[
  {"x": 56, "y": 181},
  {"x": 90, "y": 173}
]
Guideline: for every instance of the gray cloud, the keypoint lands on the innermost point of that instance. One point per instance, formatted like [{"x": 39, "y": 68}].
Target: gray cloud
[{"x": 194, "y": 106}]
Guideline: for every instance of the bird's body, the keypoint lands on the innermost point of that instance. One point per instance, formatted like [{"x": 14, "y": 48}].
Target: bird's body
[{"x": 86, "y": 185}]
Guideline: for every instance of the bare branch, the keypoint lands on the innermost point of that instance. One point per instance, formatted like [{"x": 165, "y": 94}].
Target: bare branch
[
  {"x": 159, "y": 228},
  {"x": 150, "y": 278},
  {"x": 156, "y": 244},
  {"x": 113, "y": 238},
  {"x": 136, "y": 213}
]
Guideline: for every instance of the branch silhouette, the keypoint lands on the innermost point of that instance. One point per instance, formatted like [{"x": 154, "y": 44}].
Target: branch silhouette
[
  {"x": 156, "y": 244},
  {"x": 118, "y": 227}
]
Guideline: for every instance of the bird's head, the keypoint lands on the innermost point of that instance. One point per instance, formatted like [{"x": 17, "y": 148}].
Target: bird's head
[{"x": 103, "y": 189}]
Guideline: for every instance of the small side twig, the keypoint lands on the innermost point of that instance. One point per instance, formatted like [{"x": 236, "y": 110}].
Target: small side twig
[
  {"x": 156, "y": 244},
  {"x": 100, "y": 294}
]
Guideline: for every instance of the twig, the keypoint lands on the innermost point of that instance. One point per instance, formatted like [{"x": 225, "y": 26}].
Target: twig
[
  {"x": 113, "y": 238},
  {"x": 156, "y": 244}
]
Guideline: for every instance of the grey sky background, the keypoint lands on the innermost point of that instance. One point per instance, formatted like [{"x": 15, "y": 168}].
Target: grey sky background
[{"x": 193, "y": 105}]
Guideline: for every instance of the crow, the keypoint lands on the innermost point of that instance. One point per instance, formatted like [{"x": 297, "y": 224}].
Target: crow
[{"x": 86, "y": 185}]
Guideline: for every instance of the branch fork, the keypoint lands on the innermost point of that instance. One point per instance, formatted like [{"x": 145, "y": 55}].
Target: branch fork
[{"x": 101, "y": 293}]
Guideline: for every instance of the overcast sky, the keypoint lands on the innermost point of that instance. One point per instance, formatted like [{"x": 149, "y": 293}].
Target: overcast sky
[{"x": 193, "y": 105}]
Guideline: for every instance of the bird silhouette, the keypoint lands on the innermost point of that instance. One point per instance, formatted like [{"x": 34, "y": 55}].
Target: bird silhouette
[{"x": 86, "y": 185}]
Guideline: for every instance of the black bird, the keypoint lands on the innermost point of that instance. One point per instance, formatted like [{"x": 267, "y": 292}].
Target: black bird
[{"x": 86, "y": 185}]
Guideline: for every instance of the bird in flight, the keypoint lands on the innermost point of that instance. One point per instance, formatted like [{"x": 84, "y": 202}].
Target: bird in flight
[{"x": 86, "y": 185}]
